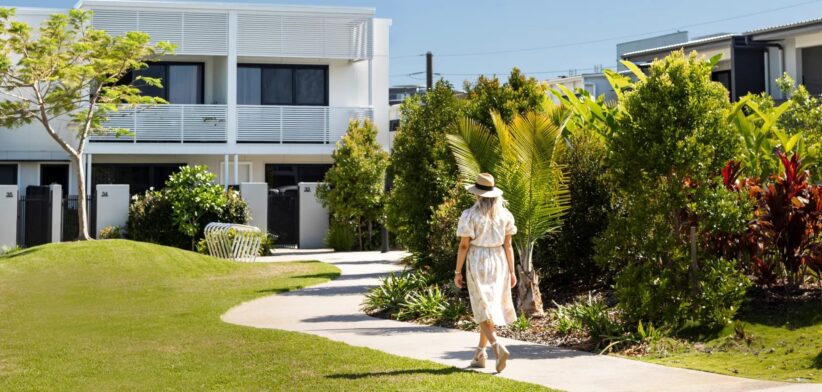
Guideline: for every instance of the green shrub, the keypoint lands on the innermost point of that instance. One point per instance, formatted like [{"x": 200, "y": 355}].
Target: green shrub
[
  {"x": 393, "y": 291},
  {"x": 567, "y": 257},
  {"x": 109, "y": 233},
  {"x": 456, "y": 309},
  {"x": 589, "y": 315},
  {"x": 439, "y": 258},
  {"x": 667, "y": 152},
  {"x": 668, "y": 295},
  {"x": 341, "y": 236},
  {"x": 426, "y": 305},
  {"x": 177, "y": 215},
  {"x": 149, "y": 220},
  {"x": 521, "y": 324}
]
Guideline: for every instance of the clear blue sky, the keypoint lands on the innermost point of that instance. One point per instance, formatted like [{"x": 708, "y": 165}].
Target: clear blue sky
[{"x": 566, "y": 27}]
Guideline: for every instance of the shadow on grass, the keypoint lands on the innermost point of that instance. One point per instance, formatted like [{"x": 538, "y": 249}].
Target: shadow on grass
[
  {"x": 357, "y": 376},
  {"x": 18, "y": 253},
  {"x": 790, "y": 315},
  {"x": 817, "y": 361}
]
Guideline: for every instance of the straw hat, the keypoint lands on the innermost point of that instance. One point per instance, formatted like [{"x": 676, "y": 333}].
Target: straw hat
[{"x": 484, "y": 186}]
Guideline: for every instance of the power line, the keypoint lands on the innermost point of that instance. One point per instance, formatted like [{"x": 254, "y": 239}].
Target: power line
[
  {"x": 615, "y": 38},
  {"x": 413, "y": 74}
]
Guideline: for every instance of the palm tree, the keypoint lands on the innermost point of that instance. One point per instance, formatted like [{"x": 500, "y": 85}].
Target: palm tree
[{"x": 522, "y": 157}]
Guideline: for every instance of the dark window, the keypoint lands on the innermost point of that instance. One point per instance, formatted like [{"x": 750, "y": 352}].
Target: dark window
[
  {"x": 812, "y": 69},
  {"x": 8, "y": 174},
  {"x": 139, "y": 177},
  {"x": 282, "y": 85},
  {"x": 249, "y": 86},
  {"x": 277, "y": 175},
  {"x": 277, "y": 86},
  {"x": 55, "y": 174},
  {"x": 182, "y": 82},
  {"x": 723, "y": 77}
]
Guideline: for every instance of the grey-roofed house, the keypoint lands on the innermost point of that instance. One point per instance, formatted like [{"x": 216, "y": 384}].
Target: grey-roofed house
[{"x": 752, "y": 61}]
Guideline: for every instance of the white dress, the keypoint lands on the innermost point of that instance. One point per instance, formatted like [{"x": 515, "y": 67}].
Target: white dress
[{"x": 487, "y": 275}]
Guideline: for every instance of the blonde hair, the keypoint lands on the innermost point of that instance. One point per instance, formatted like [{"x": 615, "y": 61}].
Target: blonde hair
[{"x": 489, "y": 206}]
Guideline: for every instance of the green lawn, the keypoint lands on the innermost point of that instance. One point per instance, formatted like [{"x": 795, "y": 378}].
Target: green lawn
[
  {"x": 780, "y": 342},
  {"x": 120, "y": 315}
]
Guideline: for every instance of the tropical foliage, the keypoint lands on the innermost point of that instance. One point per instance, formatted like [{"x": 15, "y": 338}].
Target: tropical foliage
[
  {"x": 523, "y": 157},
  {"x": 68, "y": 70}
]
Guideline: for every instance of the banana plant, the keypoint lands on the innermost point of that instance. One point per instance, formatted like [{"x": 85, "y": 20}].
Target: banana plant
[
  {"x": 522, "y": 156},
  {"x": 760, "y": 137}
]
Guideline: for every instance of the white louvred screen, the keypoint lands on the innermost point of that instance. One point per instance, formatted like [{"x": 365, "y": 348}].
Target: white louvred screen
[
  {"x": 304, "y": 36},
  {"x": 193, "y": 32}
]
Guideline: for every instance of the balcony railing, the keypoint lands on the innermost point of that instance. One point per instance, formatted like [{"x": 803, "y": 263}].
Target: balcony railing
[
  {"x": 296, "y": 124},
  {"x": 169, "y": 123}
]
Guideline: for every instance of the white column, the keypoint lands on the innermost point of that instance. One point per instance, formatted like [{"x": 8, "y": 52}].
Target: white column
[
  {"x": 231, "y": 83},
  {"x": 237, "y": 169},
  {"x": 8, "y": 210},
  {"x": 225, "y": 172},
  {"x": 56, "y": 212},
  {"x": 88, "y": 175}
]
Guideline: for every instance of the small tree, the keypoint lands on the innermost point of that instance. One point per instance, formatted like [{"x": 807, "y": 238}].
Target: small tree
[
  {"x": 354, "y": 186},
  {"x": 65, "y": 77},
  {"x": 518, "y": 95},
  {"x": 423, "y": 170}
]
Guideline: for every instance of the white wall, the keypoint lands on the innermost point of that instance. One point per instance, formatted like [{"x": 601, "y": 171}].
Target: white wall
[
  {"x": 313, "y": 217},
  {"x": 256, "y": 195},
  {"x": 380, "y": 79},
  {"x": 112, "y": 205},
  {"x": 8, "y": 215}
]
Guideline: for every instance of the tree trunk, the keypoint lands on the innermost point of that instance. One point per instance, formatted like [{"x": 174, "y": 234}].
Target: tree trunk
[
  {"x": 359, "y": 231},
  {"x": 370, "y": 235},
  {"x": 530, "y": 297},
  {"x": 82, "y": 206}
]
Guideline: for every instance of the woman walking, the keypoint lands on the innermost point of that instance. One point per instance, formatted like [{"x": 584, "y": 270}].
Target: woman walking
[{"x": 485, "y": 232}]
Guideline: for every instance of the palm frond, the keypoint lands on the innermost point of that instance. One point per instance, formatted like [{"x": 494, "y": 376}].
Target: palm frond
[{"x": 475, "y": 148}]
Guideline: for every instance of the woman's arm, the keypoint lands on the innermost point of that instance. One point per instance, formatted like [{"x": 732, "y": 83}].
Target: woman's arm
[
  {"x": 465, "y": 243},
  {"x": 509, "y": 256}
]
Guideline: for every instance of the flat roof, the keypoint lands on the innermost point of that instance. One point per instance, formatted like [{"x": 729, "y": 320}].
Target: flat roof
[
  {"x": 787, "y": 26},
  {"x": 723, "y": 37},
  {"x": 369, "y": 11},
  {"x": 696, "y": 42}
]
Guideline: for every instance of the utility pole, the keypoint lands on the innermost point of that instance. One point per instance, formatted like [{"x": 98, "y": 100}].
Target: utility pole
[{"x": 429, "y": 71}]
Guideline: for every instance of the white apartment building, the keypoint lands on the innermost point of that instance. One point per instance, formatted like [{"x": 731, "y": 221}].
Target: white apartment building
[{"x": 258, "y": 93}]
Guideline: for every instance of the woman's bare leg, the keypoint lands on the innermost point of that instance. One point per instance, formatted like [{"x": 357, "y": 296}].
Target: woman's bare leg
[
  {"x": 483, "y": 340},
  {"x": 488, "y": 332}
]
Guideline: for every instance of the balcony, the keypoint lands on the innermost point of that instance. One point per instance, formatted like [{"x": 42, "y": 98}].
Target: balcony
[
  {"x": 296, "y": 124},
  {"x": 169, "y": 123}
]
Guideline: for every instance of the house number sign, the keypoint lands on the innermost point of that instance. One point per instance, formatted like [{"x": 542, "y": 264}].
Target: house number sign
[{"x": 9, "y": 194}]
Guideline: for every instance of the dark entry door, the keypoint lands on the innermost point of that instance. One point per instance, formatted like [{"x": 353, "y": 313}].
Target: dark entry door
[
  {"x": 283, "y": 216},
  {"x": 37, "y": 213},
  {"x": 51, "y": 173}
]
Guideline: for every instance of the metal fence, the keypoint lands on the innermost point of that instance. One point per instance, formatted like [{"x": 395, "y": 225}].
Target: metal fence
[{"x": 71, "y": 220}]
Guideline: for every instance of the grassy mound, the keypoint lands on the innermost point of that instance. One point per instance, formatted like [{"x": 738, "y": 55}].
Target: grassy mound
[{"x": 122, "y": 315}]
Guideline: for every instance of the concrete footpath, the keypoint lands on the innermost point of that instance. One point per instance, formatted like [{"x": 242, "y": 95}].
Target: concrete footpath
[{"x": 332, "y": 310}]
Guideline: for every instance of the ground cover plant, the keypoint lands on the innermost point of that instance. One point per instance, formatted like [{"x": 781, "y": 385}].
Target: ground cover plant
[{"x": 123, "y": 315}]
